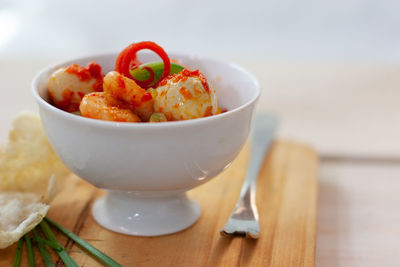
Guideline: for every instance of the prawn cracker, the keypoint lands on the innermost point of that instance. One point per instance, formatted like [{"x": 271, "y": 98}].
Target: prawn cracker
[
  {"x": 30, "y": 174},
  {"x": 19, "y": 214}
]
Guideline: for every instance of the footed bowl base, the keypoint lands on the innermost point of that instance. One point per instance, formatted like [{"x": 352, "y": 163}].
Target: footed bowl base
[{"x": 130, "y": 214}]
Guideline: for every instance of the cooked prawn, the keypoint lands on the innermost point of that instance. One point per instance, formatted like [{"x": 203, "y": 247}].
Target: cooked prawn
[
  {"x": 95, "y": 106},
  {"x": 119, "y": 89}
]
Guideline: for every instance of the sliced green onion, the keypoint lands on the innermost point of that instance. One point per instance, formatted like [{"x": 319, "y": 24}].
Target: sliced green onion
[
  {"x": 17, "y": 258},
  {"x": 45, "y": 253},
  {"x": 31, "y": 256},
  {"x": 92, "y": 250},
  {"x": 69, "y": 262},
  {"x": 153, "y": 92},
  {"x": 157, "y": 117},
  {"x": 141, "y": 74}
]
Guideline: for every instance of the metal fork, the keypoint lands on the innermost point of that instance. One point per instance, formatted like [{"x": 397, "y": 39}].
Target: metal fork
[{"x": 244, "y": 218}]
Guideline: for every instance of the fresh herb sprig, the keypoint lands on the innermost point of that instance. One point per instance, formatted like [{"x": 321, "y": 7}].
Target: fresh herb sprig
[
  {"x": 53, "y": 243},
  {"x": 89, "y": 248},
  {"x": 63, "y": 254},
  {"x": 31, "y": 257},
  {"x": 43, "y": 251},
  {"x": 17, "y": 258}
]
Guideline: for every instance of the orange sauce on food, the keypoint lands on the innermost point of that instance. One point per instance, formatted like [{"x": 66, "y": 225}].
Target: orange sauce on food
[
  {"x": 92, "y": 70},
  {"x": 82, "y": 73},
  {"x": 122, "y": 89},
  {"x": 67, "y": 103},
  {"x": 185, "y": 92},
  {"x": 146, "y": 97},
  {"x": 165, "y": 80},
  {"x": 208, "y": 111},
  {"x": 184, "y": 75},
  {"x": 135, "y": 102},
  {"x": 95, "y": 70},
  {"x": 197, "y": 91},
  {"x": 98, "y": 85},
  {"x": 169, "y": 116},
  {"x": 70, "y": 100},
  {"x": 121, "y": 82}
]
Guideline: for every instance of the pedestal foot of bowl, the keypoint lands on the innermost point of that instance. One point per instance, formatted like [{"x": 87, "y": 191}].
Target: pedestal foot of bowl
[{"x": 145, "y": 215}]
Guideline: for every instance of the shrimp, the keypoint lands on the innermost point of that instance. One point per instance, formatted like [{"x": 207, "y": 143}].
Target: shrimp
[
  {"x": 120, "y": 90},
  {"x": 95, "y": 106}
]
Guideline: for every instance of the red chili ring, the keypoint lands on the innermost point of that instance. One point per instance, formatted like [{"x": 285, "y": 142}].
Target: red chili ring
[{"x": 128, "y": 58}]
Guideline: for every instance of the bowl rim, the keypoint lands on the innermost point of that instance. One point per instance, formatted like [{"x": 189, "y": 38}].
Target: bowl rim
[{"x": 106, "y": 124}]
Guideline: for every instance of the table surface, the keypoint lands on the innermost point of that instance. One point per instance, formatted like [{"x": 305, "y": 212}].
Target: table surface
[
  {"x": 287, "y": 206},
  {"x": 348, "y": 112}
]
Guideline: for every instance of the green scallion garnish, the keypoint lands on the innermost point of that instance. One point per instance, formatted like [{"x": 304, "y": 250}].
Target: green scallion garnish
[
  {"x": 17, "y": 258},
  {"x": 45, "y": 253},
  {"x": 49, "y": 243},
  {"x": 94, "y": 251},
  {"x": 31, "y": 256},
  {"x": 69, "y": 262}
]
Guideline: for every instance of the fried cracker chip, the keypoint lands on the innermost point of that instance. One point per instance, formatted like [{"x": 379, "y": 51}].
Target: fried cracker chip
[
  {"x": 19, "y": 214},
  {"x": 30, "y": 174},
  {"x": 29, "y": 162}
]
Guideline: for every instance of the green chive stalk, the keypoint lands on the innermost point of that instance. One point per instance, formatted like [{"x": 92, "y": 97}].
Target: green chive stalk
[
  {"x": 17, "y": 258},
  {"x": 69, "y": 262},
  {"x": 49, "y": 243},
  {"x": 92, "y": 250},
  {"x": 45, "y": 253},
  {"x": 31, "y": 256}
]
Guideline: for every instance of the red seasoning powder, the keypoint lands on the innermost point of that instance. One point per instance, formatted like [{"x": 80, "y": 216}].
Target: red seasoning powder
[
  {"x": 185, "y": 92},
  {"x": 184, "y": 75},
  {"x": 92, "y": 70}
]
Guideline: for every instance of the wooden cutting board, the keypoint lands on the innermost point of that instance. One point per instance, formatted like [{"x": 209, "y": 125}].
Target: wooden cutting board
[{"x": 287, "y": 202}]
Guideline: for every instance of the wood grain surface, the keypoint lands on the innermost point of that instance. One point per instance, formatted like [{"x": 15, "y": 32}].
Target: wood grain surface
[{"x": 286, "y": 198}]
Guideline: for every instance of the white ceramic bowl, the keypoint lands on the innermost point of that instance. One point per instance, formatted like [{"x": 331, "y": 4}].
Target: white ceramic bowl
[{"x": 147, "y": 167}]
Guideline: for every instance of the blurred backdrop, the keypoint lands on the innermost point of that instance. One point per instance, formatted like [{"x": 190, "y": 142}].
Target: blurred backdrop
[{"x": 329, "y": 69}]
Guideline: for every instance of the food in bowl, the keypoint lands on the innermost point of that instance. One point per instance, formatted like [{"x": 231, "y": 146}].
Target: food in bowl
[
  {"x": 134, "y": 91},
  {"x": 133, "y": 161}
]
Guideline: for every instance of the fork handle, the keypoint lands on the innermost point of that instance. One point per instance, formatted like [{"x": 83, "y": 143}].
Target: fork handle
[
  {"x": 244, "y": 218},
  {"x": 261, "y": 136}
]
